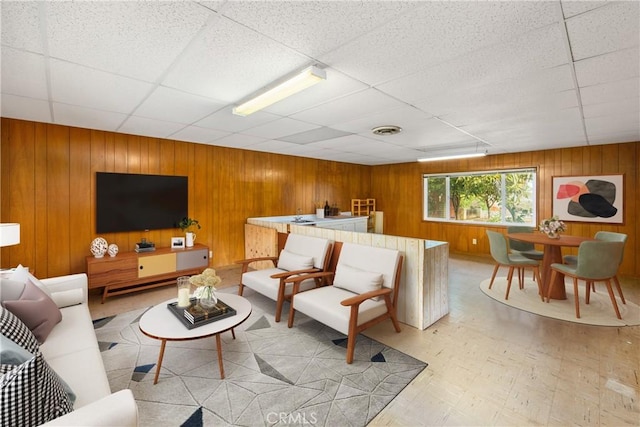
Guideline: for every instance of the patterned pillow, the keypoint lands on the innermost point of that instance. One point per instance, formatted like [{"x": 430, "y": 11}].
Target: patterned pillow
[
  {"x": 32, "y": 394},
  {"x": 13, "y": 328}
]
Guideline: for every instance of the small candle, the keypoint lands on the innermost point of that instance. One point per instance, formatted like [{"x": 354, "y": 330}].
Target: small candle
[{"x": 183, "y": 297}]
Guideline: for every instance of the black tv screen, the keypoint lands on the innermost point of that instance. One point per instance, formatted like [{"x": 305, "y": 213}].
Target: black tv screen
[{"x": 133, "y": 202}]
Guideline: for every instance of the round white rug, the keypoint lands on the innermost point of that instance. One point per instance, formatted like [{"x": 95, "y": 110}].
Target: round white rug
[{"x": 598, "y": 312}]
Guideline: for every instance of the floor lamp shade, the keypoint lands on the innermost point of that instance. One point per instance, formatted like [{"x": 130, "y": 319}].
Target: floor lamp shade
[{"x": 9, "y": 234}]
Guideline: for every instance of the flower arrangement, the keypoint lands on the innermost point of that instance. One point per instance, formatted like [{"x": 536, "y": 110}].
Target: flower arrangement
[
  {"x": 206, "y": 285},
  {"x": 552, "y": 227}
]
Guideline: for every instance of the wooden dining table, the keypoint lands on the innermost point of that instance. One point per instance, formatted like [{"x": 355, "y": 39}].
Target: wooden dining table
[{"x": 552, "y": 254}]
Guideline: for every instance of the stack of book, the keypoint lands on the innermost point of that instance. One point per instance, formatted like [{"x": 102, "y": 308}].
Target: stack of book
[{"x": 196, "y": 313}]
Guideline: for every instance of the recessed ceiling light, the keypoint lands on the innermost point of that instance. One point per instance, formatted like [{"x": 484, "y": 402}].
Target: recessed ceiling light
[{"x": 386, "y": 130}]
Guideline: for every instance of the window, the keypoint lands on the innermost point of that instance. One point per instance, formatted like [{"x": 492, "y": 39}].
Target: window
[{"x": 497, "y": 197}]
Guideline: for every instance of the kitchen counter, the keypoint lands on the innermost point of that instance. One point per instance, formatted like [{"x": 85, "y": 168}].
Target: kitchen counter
[{"x": 340, "y": 222}]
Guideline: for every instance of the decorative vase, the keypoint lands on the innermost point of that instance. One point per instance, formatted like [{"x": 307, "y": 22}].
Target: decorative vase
[
  {"x": 207, "y": 297},
  {"x": 113, "y": 250},
  {"x": 99, "y": 247},
  {"x": 190, "y": 238},
  {"x": 553, "y": 235}
]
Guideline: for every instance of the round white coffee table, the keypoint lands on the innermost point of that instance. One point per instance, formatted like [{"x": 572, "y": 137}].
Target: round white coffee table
[{"x": 161, "y": 324}]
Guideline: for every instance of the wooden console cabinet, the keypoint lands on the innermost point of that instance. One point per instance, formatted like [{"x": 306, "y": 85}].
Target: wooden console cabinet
[{"x": 132, "y": 271}]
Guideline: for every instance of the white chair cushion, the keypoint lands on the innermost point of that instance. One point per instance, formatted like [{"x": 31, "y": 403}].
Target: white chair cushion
[
  {"x": 261, "y": 282},
  {"x": 356, "y": 280},
  {"x": 314, "y": 247},
  {"x": 372, "y": 259},
  {"x": 323, "y": 304},
  {"x": 290, "y": 261}
]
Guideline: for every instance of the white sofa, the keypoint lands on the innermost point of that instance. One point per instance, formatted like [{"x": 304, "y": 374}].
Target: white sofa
[{"x": 71, "y": 349}]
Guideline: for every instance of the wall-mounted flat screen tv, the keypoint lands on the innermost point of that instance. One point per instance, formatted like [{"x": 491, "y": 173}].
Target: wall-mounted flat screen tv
[{"x": 133, "y": 202}]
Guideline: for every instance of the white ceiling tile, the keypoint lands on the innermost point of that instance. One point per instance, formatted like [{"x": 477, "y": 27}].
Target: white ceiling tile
[
  {"x": 628, "y": 105},
  {"x": 134, "y": 38},
  {"x": 612, "y": 124},
  {"x": 23, "y": 74},
  {"x": 257, "y": 62},
  {"x": 238, "y": 140},
  {"x": 71, "y": 115},
  {"x": 21, "y": 25},
  {"x": 172, "y": 105},
  {"x": 572, "y": 8},
  {"x": 19, "y": 107},
  {"x": 348, "y": 108},
  {"x": 314, "y": 135},
  {"x": 618, "y": 65},
  {"x": 281, "y": 127},
  {"x": 227, "y": 121},
  {"x": 435, "y": 33},
  {"x": 315, "y": 27},
  {"x": 77, "y": 85},
  {"x": 149, "y": 127},
  {"x": 610, "y": 92},
  {"x": 198, "y": 134},
  {"x": 603, "y": 30}
]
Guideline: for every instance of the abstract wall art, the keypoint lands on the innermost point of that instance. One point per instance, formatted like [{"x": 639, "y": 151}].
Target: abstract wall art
[{"x": 596, "y": 198}]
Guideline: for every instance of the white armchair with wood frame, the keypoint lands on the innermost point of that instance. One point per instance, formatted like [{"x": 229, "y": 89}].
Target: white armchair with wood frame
[{"x": 364, "y": 292}]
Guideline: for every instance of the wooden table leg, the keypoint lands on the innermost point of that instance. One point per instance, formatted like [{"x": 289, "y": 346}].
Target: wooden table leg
[
  {"x": 552, "y": 255},
  {"x": 219, "y": 346},
  {"x": 159, "y": 365}
]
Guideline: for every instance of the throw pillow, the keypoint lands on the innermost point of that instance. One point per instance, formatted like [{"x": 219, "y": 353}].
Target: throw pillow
[
  {"x": 11, "y": 353},
  {"x": 16, "y": 331},
  {"x": 356, "y": 280},
  {"x": 32, "y": 394},
  {"x": 10, "y": 289},
  {"x": 68, "y": 297},
  {"x": 291, "y": 262},
  {"x": 36, "y": 310},
  {"x": 22, "y": 274}
]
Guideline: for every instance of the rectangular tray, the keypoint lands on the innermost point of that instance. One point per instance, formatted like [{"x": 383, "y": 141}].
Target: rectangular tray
[{"x": 179, "y": 313}]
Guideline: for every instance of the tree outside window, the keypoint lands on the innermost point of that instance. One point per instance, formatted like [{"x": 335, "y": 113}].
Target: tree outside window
[{"x": 498, "y": 197}]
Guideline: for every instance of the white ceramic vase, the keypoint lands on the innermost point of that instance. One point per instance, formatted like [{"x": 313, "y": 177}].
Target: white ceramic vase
[
  {"x": 99, "y": 247},
  {"x": 190, "y": 238}
]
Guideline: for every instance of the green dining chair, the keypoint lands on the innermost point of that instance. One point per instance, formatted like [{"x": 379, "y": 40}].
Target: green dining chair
[
  {"x": 607, "y": 236},
  {"x": 598, "y": 261},
  {"x": 502, "y": 257},
  {"x": 526, "y": 249}
]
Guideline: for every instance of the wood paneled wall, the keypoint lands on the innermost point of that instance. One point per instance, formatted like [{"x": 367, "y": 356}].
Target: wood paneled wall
[
  {"x": 48, "y": 186},
  {"x": 398, "y": 192}
]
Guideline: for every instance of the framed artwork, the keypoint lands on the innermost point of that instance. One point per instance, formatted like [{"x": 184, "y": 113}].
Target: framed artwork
[
  {"x": 591, "y": 198},
  {"x": 177, "y": 242}
]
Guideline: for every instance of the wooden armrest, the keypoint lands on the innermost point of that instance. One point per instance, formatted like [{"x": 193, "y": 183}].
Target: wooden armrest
[
  {"x": 358, "y": 299},
  {"x": 293, "y": 272},
  {"x": 305, "y": 276},
  {"x": 250, "y": 260}
]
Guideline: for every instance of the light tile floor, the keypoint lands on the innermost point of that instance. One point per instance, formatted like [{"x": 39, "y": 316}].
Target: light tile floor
[{"x": 490, "y": 364}]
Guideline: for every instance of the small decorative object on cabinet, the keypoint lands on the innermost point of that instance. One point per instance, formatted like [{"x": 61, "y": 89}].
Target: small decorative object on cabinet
[
  {"x": 185, "y": 225},
  {"x": 99, "y": 247},
  {"x": 113, "y": 249},
  {"x": 364, "y": 207}
]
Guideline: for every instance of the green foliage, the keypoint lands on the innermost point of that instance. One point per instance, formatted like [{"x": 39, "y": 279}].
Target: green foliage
[{"x": 186, "y": 224}]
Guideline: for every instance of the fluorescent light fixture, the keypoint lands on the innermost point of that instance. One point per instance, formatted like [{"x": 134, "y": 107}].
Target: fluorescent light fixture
[
  {"x": 9, "y": 234},
  {"x": 452, "y": 157},
  {"x": 304, "y": 79}
]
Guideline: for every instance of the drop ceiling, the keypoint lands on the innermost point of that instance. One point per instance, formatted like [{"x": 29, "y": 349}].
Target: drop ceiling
[{"x": 500, "y": 77}]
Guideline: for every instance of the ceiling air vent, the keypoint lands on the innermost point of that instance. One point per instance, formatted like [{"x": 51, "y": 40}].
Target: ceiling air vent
[{"x": 386, "y": 130}]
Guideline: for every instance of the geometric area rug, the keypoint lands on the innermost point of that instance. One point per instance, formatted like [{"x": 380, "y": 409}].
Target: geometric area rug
[
  {"x": 599, "y": 311},
  {"x": 273, "y": 375}
]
